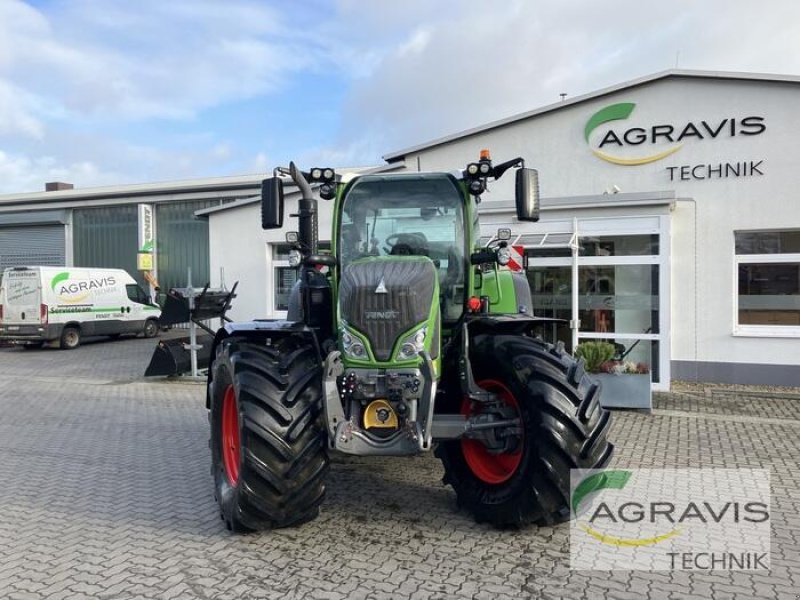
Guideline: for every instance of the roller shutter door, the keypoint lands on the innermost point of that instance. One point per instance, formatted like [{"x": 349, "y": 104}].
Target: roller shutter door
[{"x": 38, "y": 245}]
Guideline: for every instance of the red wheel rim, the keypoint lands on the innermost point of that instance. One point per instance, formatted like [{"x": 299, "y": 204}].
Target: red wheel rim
[
  {"x": 230, "y": 436},
  {"x": 490, "y": 468}
]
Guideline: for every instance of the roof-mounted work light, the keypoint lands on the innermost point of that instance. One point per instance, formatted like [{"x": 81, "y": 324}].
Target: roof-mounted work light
[{"x": 327, "y": 177}]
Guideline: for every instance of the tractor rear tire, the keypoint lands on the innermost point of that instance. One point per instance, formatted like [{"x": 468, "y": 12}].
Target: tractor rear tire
[
  {"x": 563, "y": 426},
  {"x": 268, "y": 449}
]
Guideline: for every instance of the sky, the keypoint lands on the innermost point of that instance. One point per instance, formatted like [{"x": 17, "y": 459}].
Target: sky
[{"x": 106, "y": 92}]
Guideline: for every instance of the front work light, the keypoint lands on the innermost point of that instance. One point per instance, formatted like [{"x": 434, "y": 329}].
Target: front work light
[
  {"x": 323, "y": 174},
  {"x": 476, "y": 187}
]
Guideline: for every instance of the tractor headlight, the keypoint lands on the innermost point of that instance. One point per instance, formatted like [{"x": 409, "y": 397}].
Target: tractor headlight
[
  {"x": 352, "y": 345},
  {"x": 356, "y": 350},
  {"x": 295, "y": 258},
  {"x": 503, "y": 255},
  {"x": 411, "y": 346}
]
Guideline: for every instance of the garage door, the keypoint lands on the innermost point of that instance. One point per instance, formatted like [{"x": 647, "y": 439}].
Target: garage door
[{"x": 40, "y": 245}]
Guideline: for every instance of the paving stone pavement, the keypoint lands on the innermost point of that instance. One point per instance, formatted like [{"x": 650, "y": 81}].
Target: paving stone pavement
[{"x": 107, "y": 494}]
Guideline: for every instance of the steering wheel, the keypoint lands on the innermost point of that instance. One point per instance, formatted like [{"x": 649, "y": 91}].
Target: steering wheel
[{"x": 406, "y": 244}]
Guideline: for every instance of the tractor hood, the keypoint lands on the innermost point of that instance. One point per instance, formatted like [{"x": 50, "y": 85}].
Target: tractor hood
[{"x": 386, "y": 301}]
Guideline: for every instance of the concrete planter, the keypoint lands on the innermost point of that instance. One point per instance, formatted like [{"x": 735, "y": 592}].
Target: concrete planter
[{"x": 625, "y": 390}]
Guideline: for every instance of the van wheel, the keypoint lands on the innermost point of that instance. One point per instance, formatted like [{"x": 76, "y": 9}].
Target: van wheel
[
  {"x": 150, "y": 328},
  {"x": 70, "y": 338}
]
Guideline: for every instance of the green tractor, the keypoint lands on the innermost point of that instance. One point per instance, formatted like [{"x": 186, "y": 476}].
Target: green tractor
[{"x": 408, "y": 337}]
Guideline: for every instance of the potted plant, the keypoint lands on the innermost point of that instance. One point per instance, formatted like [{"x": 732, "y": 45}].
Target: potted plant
[{"x": 623, "y": 384}]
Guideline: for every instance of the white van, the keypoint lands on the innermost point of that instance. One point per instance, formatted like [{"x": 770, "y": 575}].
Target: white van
[{"x": 41, "y": 304}]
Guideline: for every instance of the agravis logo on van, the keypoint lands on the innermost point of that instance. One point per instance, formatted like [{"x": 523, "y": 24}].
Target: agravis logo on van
[
  {"x": 75, "y": 291},
  {"x": 655, "y": 136}
]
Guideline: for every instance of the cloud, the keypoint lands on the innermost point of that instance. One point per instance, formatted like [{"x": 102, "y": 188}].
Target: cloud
[
  {"x": 23, "y": 173},
  {"x": 468, "y": 64},
  {"x": 151, "y": 90},
  {"x": 148, "y": 59}
]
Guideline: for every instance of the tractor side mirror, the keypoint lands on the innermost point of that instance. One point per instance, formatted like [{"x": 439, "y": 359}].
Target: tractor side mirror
[
  {"x": 271, "y": 203},
  {"x": 527, "y": 194}
]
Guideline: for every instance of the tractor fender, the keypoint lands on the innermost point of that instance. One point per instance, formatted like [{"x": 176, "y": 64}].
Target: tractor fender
[
  {"x": 260, "y": 331},
  {"x": 509, "y": 324}
]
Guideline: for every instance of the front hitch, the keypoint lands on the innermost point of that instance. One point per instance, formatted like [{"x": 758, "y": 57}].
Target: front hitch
[{"x": 347, "y": 435}]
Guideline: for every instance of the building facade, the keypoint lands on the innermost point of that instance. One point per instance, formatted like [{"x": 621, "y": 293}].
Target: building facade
[{"x": 148, "y": 228}]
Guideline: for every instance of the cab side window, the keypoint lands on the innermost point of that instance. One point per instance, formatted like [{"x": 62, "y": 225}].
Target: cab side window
[{"x": 136, "y": 294}]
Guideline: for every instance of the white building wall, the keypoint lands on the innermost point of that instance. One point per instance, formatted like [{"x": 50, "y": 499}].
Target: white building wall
[
  {"x": 703, "y": 281},
  {"x": 244, "y": 250}
]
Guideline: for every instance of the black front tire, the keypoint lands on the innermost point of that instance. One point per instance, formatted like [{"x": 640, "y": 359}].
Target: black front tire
[
  {"x": 150, "y": 328},
  {"x": 70, "y": 338},
  {"x": 282, "y": 456},
  {"x": 564, "y": 428}
]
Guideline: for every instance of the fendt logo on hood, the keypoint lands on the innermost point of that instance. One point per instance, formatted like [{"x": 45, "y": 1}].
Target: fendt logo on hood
[
  {"x": 658, "y": 141},
  {"x": 381, "y": 315},
  {"x": 74, "y": 291}
]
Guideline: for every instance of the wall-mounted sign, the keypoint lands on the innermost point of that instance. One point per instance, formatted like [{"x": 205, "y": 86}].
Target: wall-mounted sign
[
  {"x": 147, "y": 228},
  {"x": 144, "y": 261},
  {"x": 647, "y": 143}
]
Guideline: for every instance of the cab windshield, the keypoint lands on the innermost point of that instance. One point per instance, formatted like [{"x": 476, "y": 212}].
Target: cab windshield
[{"x": 419, "y": 215}]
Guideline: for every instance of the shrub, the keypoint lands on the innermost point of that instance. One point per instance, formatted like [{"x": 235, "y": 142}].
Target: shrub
[{"x": 595, "y": 354}]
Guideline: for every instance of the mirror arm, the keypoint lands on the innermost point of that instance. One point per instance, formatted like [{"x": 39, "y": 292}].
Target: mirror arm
[
  {"x": 483, "y": 257},
  {"x": 500, "y": 169}
]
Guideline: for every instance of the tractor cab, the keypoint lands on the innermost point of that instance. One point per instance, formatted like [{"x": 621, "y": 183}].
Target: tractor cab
[{"x": 419, "y": 215}]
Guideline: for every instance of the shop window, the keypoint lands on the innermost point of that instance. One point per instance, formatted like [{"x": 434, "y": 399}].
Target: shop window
[
  {"x": 611, "y": 299},
  {"x": 768, "y": 282},
  {"x": 619, "y": 245}
]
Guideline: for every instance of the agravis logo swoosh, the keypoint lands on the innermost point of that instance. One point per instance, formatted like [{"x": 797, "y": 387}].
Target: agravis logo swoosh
[
  {"x": 611, "y": 480},
  {"x": 620, "y": 112}
]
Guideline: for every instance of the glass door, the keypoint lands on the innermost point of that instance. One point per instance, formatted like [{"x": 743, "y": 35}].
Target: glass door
[{"x": 622, "y": 291}]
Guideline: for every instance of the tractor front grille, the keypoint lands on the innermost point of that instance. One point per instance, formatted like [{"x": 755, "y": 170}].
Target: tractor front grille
[{"x": 384, "y": 297}]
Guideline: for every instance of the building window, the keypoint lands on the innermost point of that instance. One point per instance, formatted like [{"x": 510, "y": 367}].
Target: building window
[
  {"x": 284, "y": 276},
  {"x": 768, "y": 282}
]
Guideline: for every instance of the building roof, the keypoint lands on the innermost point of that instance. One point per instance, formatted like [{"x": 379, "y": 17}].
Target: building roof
[
  {"x": 208, "y": 184},
  {"x": 647, "y": 79}
]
